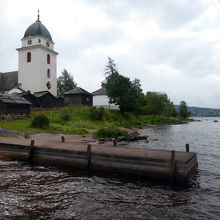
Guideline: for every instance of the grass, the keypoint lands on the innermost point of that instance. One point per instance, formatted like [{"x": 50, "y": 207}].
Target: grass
[
  {"x": 110, "y": 133},
  {"x": 76, "y": 120}
]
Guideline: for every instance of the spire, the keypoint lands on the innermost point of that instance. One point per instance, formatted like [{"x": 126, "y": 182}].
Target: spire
[{"x": 38, "y": 15}]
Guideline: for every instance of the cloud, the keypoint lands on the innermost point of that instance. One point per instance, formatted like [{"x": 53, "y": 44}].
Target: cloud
[{"x": 171, "y": 46}]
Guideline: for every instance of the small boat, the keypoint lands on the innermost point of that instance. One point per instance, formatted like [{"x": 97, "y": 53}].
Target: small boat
[{"x": 215, "y": 120}]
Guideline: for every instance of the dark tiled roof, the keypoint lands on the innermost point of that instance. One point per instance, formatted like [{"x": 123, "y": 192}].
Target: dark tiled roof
[
  {"x": 6, "y": 98},
  {"x": 40, "y": 94},
  {"x": 77, "y": 91},
  {"x": 37, "y": 28},
  {"x": 101, "y": 91},
  {"x": 8, "y": 80},
  {"x": 23, "y": 94}
]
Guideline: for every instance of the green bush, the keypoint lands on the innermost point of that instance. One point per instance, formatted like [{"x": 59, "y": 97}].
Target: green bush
[
  {"x": 40, "y": 121},
  {"x": 96, "y": 114},
  {"x": 27, "y": 135},
  {"x": 109, "y": 133}
]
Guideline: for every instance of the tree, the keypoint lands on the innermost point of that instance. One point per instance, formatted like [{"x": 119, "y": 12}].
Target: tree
[
  {"x": 183, "y": 110},
  {"x": 169, "y": 109},
  {"x": 65, "y": 83},
  {"x": 121, "y": 90},
  {"x": 157, "y": 103},
  {"x": 111, "y": 69}
]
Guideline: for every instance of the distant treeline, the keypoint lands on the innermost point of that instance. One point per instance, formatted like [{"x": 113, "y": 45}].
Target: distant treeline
[{"x": 201, "y": 112}]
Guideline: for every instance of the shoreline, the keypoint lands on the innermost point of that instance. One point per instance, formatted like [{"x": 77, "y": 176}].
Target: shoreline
[{"x": 15, "y": 133}]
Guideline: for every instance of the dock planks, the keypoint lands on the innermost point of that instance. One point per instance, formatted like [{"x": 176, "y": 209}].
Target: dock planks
[{"x": 75, "y": 153}]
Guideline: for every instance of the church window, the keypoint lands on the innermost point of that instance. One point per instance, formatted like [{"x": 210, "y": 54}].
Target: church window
[
  {"x": 48, "y": 58},
  {"x": 29, "y": 42},
  {"x": 48, "y": 85},
  {"x": 48, "y": 73},
  {"x": 39, "y": 40},
  {"x": 29, "y": 57}
]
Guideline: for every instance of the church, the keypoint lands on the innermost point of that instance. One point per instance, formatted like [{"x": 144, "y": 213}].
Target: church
[{"x": 37, "y": 63}]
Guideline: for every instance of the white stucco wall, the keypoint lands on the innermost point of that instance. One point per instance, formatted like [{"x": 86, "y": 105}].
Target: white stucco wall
[
  {"x": 103, "y": 100},
  {"x": 35, "y": 41},
  {"x": 33, "y": 75}
]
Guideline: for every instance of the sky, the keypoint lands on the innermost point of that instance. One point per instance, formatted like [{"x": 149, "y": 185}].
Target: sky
[{"x": 171, "y": 46}]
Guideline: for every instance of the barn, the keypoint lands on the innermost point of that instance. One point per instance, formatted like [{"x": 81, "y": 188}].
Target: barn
[
  {"x": 60, "y": 101},
  {"x": 12, "y": 104},
  {"x": 79, "y": 97},
  {"x": 45, "y": 99},
  {"x": 28, "y": 96}
]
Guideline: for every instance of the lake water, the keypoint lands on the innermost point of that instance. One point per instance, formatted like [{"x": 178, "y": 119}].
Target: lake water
[{"x": 45, "y": 193}]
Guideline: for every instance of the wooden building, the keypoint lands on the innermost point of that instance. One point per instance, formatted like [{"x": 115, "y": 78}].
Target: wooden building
[
  {"x": 30, "y": 97},
  {"x": 100, "y": 99},
  {"x": 60, "y": 101},
  {"x": 78, "y": 97},
  {"x": 13, "y": 104},
  {"x": 45, "y": 99}
]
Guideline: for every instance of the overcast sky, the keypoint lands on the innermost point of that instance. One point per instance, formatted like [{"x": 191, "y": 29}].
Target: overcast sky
[{"x": 172, "y": 46}]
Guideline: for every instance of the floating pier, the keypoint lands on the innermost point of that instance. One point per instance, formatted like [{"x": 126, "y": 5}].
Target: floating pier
[{"x": 88, "y": 155}]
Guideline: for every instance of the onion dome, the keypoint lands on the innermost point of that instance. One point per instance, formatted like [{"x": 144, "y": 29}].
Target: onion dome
[{"x": 37, "y": 28}]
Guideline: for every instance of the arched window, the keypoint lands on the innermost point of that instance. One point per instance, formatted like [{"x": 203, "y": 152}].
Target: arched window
[
  {"x": 48, "y": 73},
  {"x": 48, "y": 58},
  {"x": 39, "y": 40},
  {"x": 48, "y": 85},
  {"x": 29, "y": 57}
]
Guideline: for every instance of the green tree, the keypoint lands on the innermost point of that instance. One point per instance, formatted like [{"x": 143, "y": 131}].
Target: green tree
[
  {"x": 156, "y": 103},
  {"x": 121, "y": 90},
  {"x": 183, "y": 110},
  {"x": 170, "y": 109},
  {"x": 65, "y": 82}
]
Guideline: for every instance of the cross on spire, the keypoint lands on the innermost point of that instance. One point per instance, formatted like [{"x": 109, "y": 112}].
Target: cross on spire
[{"x": 38, "y": 15}]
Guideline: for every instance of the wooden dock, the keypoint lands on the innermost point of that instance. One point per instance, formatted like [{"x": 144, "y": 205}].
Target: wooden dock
[{"x": 85, "y": 154}]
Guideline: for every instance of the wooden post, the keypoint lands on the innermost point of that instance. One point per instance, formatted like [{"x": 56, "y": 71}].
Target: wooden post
[
  {"x": 32, "y": 143},
  {"x": 89, "y": 150},
  {"x": 114, "y": 143},
  {"x": 62, "y": 138},
  {"x": 31, "y": 151},
  {"x": 172, "y": 165},
  {"x": 187, "y": 147}
]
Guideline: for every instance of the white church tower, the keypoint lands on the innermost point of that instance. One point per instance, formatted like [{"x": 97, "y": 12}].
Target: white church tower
[{"x": 37, "y": 65}]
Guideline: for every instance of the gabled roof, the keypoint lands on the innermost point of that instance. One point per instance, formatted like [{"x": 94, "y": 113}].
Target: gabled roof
[
  {"x": 41, "y": 93},
  {"x": 6, "y": 98},
  {"x": 101, "y": 91},
  {"x": 8, "y": 80},
  {"x": 23, "y": 94},
  {"x": 77, "y": 91}
]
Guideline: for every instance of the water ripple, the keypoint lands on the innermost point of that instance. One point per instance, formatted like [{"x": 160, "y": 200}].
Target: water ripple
[{"x": 46, "y": 193}]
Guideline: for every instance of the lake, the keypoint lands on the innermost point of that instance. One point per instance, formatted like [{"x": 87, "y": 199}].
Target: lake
[{"x": 47, "y": 193}]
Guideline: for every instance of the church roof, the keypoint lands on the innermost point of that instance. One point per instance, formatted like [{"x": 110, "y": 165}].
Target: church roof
[
  {"x": 8, "y": 80},
  {"x": 37, "y": 28},
  {"x": 77, "y": 91},
  {"x": 101, "y": 91}
]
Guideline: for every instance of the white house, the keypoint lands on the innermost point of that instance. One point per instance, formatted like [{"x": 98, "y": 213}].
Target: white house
[{"x": 100, "y": 99}]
